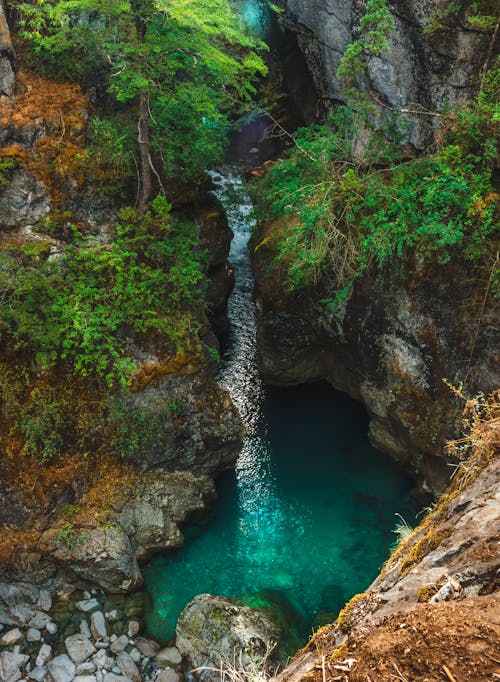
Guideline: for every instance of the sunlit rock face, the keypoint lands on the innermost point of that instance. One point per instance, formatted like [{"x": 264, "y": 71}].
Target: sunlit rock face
[{"x": 421, "y": 70}]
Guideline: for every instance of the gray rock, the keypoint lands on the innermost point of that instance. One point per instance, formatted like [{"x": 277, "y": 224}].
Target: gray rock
[
  {"x": 135, "y": 655},
  {"x": 211, "y": 629},
  {"x": 128, "y": 667},
  {"x": 119, "y": 644},
  {"x": 87, "y": 605},
  {"x": 147, "y": 647},
  {"x": 24, "y": 202},
  {"x": 33, "y": 635},
  {"x": 84, "y": 629},
  {"x": 167, "y": 675},
  {"x": 112, "y": 616},
  {"x": 45, "y": 600},
  {"x": 85, "y": 678},
  {"x": 62, "y": 669},
  {"x": 169, "y": 657},
  {"x": 99, "y": 676},
  {"x": 79, "y": 648},
  {"x": 102, "y": 645},
  {"x": 102, "y": 661},
  {"x": 86, "y": 668},
  {"x": 113, "y": 677},
  {"x": 40, "y": 620},
  {"x": 11, "y": 637},
  {"x": 44, "y": 654},
  {"x": 51, "y": 628},
  {"x": 38, "y": 673},
  {"x": 98, "y": 625},
  {"x": 10, "y": 665}
]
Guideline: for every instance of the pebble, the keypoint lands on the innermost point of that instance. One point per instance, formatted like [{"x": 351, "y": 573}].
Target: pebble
[
  {"x": 102, "y": 645},
  {"x": 45, "y": 600},
  {"x": 167, "y": 675},
  {"x": 147, "y": 647},
  {"x": 33, "y": 635},
  {"x": 99, "y": 676},
  {"x": 86, "y": 668},
  {"x": 127, "y": 665},
  {"x": 113, "y": 677},
  {"x": 169, "y": 657},
  {"x": 38, "y": 673},
  {"x": 11, "y": 664},
  {"x": 134, "y": 628},
  {"x": 85, "y": 678},
  {"x": 11, "y": 637},
  {"x": 79, "y": 648},
  {"x": 51, "y": 628},
  {"x": 87, "y": 605},
  {"x": 98, "y": 625},
  {"x": 112, "y": 616},
  {"x": 135, "y": 655},
  {"x": 84, "y": 629},
  {"x": 120, "y": 644},
  {"x": 62, "y": 669},
  {"x": 44, "y": 655},
  {"x": 39, "y": 620}
]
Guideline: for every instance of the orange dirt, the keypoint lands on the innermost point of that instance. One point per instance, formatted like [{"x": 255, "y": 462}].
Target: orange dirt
[{"x": 416, "y": 646}]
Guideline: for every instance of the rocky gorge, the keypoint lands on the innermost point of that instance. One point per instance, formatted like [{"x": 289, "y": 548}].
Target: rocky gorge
[{"x": 75, "y": 532}]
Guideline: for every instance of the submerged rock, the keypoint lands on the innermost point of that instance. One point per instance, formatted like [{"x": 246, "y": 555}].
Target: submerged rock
[{"x": 212, "y": 630}]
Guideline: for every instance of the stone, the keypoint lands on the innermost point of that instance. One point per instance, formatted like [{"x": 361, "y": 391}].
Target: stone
[
  {"x": 79, "y": 648},
  {"x": 98, "y": 625},
  {"x": 45, "y": 600},
  {"x": 62, "y": 669},
  {"x": 101, "y": 660},
  {"x": 84, "y": 629},
  {"x": 120, "y": 644},
  {"x": 128, "y": 667},
  {"x": 167, "y": 675},
  {"x": 101, "y": 645},
  {"x": 169, "y": 657},
  {"x": 147, "y": 647},
  {"x": 99, "y": 676},
  {"x": 112, "y": 616},
  {"x": 135, "y": 655},
  {"x": 213, "y": 628},
  {"x": 44, "y": 654},
  {"x": 85, "y": 678},
  {"x": 10, "y": 665},
  {"x": 11, "y": 637},
  {"x": 51, "y": 628},
  {"x": 40, "y": 620},
  {"x": 87, "y": 605},
  {"x": 33, "y": 635},
  {"x": 86, "y": 668},
  {"x": 113, "y": 677},
  {"x": 134, "y": 627},
  {"x": 38, "y": 674}
]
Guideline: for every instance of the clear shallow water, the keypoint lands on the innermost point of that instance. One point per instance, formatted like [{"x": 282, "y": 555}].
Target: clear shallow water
[{"x": 307, "y": 516}]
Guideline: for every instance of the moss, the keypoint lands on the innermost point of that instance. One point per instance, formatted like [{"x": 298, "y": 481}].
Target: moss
[
  {"x": 344, "y": 619},
  {"x": 425, "y": 593}
]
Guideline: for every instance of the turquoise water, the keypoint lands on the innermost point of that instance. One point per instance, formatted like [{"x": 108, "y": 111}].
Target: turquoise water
[{"x": 306, "y": 518}]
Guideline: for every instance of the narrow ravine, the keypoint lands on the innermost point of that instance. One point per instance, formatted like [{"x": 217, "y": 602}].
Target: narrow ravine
[{"x": 305, "y": 520}]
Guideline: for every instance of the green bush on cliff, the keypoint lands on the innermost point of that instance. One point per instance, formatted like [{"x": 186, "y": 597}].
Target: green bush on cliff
[
  {"x": 340, "y": 215},
  {"x": 80, "y": 310}
]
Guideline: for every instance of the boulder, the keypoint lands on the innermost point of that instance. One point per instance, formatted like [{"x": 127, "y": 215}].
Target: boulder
[
  {"x": 128, "y": 667},
  {"x": 98, "y": 625},
  {"x": 214, "y": 629},
  {"x": 169, "y": 657}
]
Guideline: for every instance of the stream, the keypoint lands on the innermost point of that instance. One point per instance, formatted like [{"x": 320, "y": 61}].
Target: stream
[{"x": 306, "y": 518}]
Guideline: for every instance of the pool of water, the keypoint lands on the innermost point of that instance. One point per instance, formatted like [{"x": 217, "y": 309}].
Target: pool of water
[{"x": 306, "y": 519}]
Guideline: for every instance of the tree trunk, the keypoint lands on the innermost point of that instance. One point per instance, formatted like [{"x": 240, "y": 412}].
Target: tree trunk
[
  {"x": 145, "y": 169},
  {"x": 7, "y": 56}
]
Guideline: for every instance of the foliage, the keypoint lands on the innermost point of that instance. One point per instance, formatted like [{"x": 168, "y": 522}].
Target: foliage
[
  {"x": 7, "y": 165},
  {"x": 191, "y": 60},
  {"x": 341, "y": 216},
  {"x": 481, "y": 15},
  {"x": 80, "y": 310},
  {"x": 109, "y": 153},
  {"x": 374, "y": 28}
]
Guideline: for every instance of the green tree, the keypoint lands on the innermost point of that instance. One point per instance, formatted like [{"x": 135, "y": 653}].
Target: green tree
[{"x": 184, "y": 65}]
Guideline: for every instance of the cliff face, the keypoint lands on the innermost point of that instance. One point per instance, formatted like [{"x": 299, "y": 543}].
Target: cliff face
[
  {"x": 91, "y": 516},
  {"x": 423, "y": 69}
]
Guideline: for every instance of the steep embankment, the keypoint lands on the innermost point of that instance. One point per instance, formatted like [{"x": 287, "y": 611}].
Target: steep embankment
[{"x": 78, "y": 499}]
